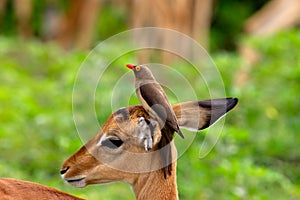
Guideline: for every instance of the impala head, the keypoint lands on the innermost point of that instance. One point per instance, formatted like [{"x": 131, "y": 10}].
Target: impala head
[
  {"x": 129, "y": 144},
  {"x": 125, "y": 145}
]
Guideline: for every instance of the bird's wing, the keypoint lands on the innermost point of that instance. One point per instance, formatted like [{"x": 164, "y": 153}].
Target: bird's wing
[{"x": 154, "y": 94}]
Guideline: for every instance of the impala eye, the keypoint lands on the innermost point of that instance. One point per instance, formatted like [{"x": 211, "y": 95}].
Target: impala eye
[{"x": 112, "y": 143}]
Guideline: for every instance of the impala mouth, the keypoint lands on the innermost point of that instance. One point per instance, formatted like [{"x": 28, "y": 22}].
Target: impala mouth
[
  {"x": 74, "y": 179},
  {"x": 76, "y": 182}
]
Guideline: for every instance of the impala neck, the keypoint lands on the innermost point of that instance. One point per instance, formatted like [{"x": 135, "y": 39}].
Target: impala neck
[{"x": 154, "y": 186}]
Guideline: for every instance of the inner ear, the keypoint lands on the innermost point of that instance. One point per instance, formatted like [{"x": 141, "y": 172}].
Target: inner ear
[
  {"x": 155, "y": 131},
  {"x": 149, "y": 133},
  {"x": 144, "y": 134}
]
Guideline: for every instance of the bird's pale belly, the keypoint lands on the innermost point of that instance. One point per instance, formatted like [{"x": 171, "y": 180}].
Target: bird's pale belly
[{"x": 144, "y": 103}]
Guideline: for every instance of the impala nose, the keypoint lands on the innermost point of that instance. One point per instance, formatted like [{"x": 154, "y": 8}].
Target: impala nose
[{"x": 64, "y": 170}]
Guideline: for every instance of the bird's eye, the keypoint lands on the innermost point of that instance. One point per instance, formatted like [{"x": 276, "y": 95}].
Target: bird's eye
[
  {"x": 112, "y": 143},
  {"x": 137, "y": 68}
]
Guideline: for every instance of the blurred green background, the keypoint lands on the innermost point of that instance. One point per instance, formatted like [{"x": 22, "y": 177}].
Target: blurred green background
[{"x": 257, "y": 156}]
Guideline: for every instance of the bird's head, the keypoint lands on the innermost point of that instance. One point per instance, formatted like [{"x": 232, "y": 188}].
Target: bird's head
[{"x": 141, "y": 72}]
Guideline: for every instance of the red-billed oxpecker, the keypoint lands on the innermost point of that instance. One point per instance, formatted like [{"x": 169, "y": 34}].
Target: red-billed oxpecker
[{"x": 153, "y": 98}]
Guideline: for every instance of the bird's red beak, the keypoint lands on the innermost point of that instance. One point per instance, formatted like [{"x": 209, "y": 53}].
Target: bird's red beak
[{"x": 130, "y": 66}]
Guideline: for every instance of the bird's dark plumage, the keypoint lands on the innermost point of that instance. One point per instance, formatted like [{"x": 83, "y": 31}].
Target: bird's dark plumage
[
  {"x": 153, "y": 94},
  {"x": 153, "y": 97}
]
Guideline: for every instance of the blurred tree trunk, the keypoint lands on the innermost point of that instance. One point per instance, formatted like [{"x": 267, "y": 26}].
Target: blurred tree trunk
[
  {"x": 50, "y": 23},
  {"x": 191, "y": 17},
  {"x": 2, "y": 7},
  {"x": 275, "y": 16},
  {"x": 77, "y": 26},
  {"x": 201, "y": 21},
  {"x": 23, "y": 11}
]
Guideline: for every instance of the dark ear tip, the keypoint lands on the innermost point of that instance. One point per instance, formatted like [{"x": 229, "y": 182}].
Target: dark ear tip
[
  {"x": 231, "y": 103},
  {"x": 234, "y": 100}
]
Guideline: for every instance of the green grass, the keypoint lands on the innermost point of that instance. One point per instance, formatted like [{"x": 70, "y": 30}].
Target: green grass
[{"x": 256, "y": 157}]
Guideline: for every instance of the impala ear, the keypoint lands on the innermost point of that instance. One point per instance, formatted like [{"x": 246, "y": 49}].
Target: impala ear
[
  {"x": 148, "y": 133},
  {"x": 198, "y": 115}
]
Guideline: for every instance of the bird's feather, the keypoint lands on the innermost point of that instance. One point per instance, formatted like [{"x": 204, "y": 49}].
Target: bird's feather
[{"x": 153, "y": 94}]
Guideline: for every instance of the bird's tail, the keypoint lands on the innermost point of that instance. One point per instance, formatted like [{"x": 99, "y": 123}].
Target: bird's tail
[{"x": 179, "y": 132}]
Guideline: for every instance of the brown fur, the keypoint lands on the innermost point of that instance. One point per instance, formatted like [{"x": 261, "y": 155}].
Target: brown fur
[{"x": 12, "y": 189}]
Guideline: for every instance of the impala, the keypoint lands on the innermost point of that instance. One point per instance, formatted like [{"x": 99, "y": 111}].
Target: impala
[{"x": 132, "y": 148}]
